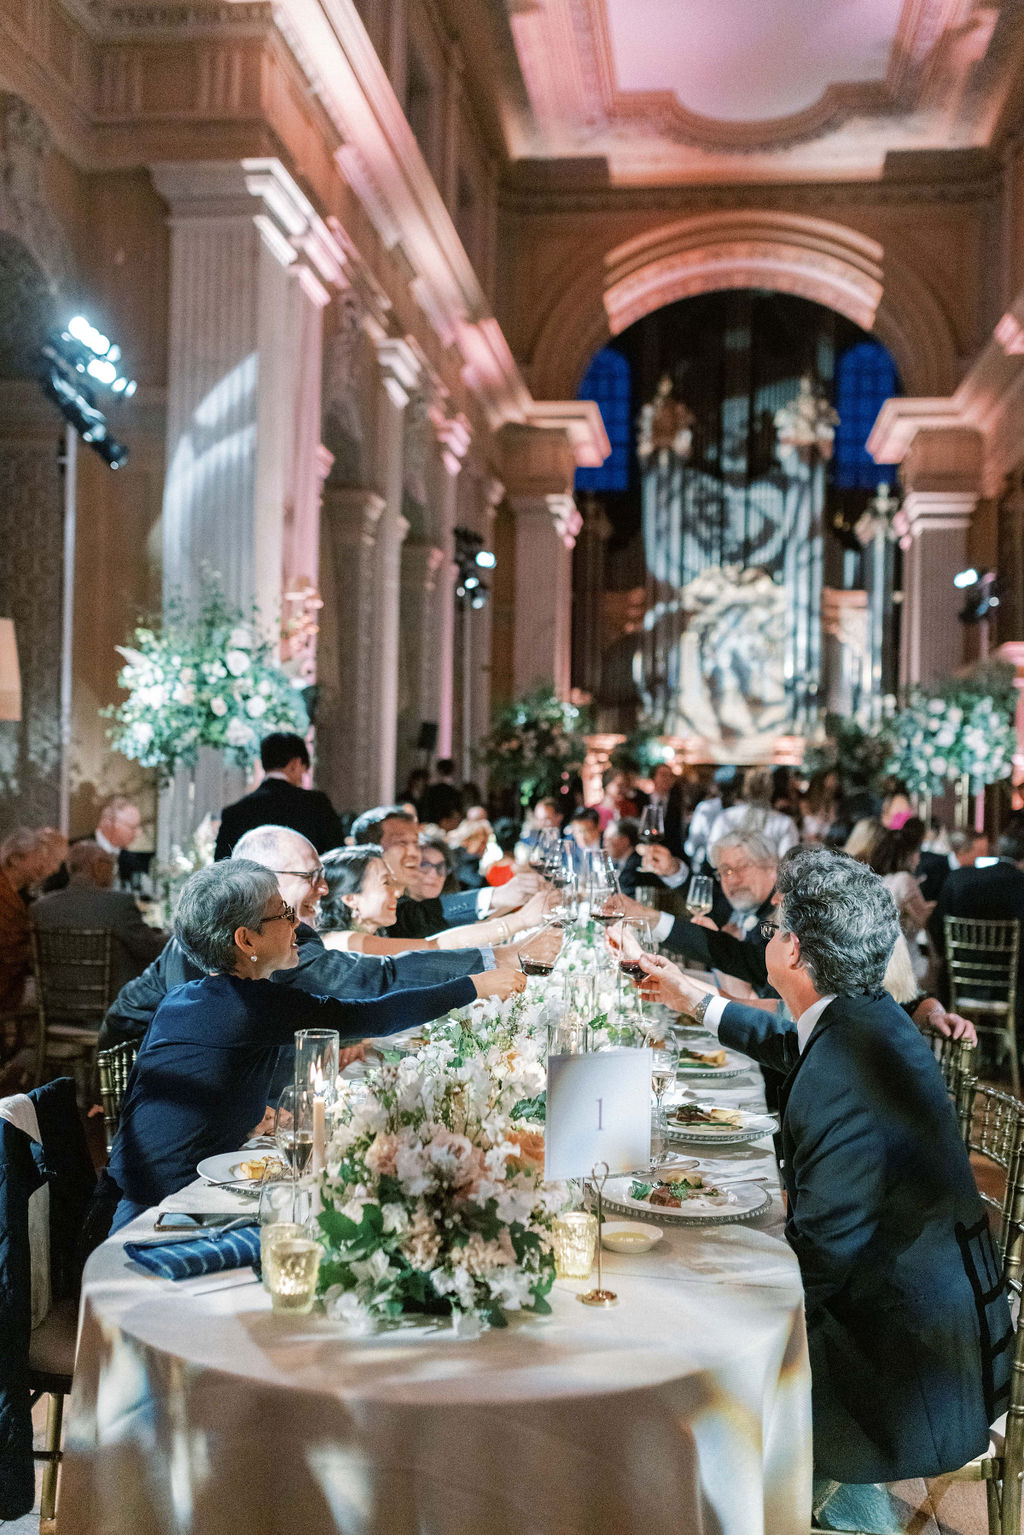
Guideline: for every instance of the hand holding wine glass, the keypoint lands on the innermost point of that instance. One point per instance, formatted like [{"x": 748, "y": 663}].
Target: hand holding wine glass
[
  {"x": 652, "y": 825},
  {"x": 700, "y": 897}
]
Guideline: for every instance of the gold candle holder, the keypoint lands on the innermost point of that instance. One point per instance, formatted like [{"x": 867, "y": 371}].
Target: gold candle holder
[{"x": 600, "y": 1296}]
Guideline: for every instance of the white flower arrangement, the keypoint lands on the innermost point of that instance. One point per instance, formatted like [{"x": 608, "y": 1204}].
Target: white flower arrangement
[
  {"x": 954, "y": 730},
  {"x": 205, "y": 679},
  {"x": 807, "y": 422},
  {"x": 433, "y": 1197}
]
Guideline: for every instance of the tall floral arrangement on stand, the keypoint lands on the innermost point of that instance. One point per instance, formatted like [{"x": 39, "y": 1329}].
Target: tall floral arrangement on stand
[
  {"x": 536, "y": 744},
  {"x": 202, "y": 677},
  {"x": 959, "y": 728}
]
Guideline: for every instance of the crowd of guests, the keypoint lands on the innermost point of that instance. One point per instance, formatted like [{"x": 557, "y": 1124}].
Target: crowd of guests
[{"x": 822, "y": 934}]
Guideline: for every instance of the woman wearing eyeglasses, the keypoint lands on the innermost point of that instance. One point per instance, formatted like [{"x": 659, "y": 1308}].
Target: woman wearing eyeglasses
[{"x": 203, "y": 1073}]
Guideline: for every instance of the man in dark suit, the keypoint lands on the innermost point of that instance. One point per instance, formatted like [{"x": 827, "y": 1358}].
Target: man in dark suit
[
  {"x": 281, "y": 800},
  {"x": 118, "y": 826},
  {"x": 908, "y": 1328},
  {"x": 89, "y": 900},
  {"x": 992, "y": 893},
  {"x": 620, "y": 840},
  {"x": 440, "y": 804}
]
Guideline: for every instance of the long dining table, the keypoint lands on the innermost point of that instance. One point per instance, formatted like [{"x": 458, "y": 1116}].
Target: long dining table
[{"x": 685, "y": 1407}]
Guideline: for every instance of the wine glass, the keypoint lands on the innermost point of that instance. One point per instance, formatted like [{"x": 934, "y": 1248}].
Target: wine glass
[
  {"x": 663, "y": 1072},
  {"x": 293, "y": 1128},
  {"x": 700, "y": 896},
  {"x": 652, "y": 824},
  {"x": 561, "y": 905},
  {"x": 535, "y": 956}
]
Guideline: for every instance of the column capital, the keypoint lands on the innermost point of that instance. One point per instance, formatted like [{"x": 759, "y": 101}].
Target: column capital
[
  {"x": 219, "y": 191},
  {"x": 420, "y": 565},
  {"x": 454, "y": 435},
  {"x": 400, "y": 369},
  {"x": 931, "y": 511},
  {"x": 566, "y": 516}
]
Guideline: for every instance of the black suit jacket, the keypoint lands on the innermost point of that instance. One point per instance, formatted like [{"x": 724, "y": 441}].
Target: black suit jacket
[
  {"x": 676, "y": 821},
  {"x": 741, "y": 957},
  {"x": 907, "y": 1322},
  {"x": 276, "y": 802},
  {"x": 324, "y": 972},
  {"x": 932, "y": 872},
  {"x": 995, "y": 893}
]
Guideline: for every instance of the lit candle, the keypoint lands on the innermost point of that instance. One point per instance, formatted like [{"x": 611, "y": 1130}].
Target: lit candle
[{"x": 319, "y": 1124}]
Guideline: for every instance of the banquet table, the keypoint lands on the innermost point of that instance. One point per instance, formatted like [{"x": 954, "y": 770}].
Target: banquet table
[{"x": 684, "y": 1408}]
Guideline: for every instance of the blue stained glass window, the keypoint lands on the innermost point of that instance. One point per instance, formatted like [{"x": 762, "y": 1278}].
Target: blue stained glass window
[
  {"x": 607, "y": 381},
  {"x": 865, "y": 378}
]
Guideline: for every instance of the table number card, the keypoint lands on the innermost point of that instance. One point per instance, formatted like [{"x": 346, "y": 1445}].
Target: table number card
[{"x": 598, "y": 1110}]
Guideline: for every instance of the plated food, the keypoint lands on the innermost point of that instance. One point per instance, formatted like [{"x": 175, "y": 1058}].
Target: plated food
[
  {"x": 241, "y": 1171},
  {"x": 675, "y": 1190},
  {"x": 707, "y": 1060},
  {"x": 705, "y": 1122},
  {"x": 705, "y": 1205}
]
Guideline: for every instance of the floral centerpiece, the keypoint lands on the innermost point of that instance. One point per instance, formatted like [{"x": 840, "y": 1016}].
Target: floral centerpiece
[
  {"x": 536, "y": 744},
  {"x": 434, "y": 1199},
  {"x": 807, "y": 423},
  {"x": 203, "y": 678},
  {"x": 962, "y": 727}
]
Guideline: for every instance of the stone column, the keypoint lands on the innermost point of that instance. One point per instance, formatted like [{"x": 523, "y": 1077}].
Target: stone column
[
  {"x": 941, "y": 476},
  {"x": 419, "y": 634},
  {"x": 347, "y": 768},
  {"x": 249, "y": 262},
  {"x": 399, "y": 373},
  {"x": 454, "y": 438}
]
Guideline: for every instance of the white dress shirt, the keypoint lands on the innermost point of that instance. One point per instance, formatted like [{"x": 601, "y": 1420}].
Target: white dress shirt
[{"x": 804, "y": 1024}]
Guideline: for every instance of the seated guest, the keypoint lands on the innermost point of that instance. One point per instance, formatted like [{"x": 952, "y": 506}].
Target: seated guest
[
  {"x": 753, "y": 812},
  {"x": 620, "y": 797},
  {"x": 119, "y": 824},
  {"x": 620, "y": 840},
  {"x": 544, "y": 816},
  {"x": 300, "y": 881},
  {"x": 24, "y": 862},
  {"x": 894, "y": 858},
  {"x": 992, "y": 893},
  {"x": 281, "y": 799},
  {"x": 909, "y": 1346},
  {"x": 507, "y": 835},
  {"x": 205, "y": 1067},
  {"x": 862, "y": 838},
  {"x": 436, "y": 871},
  {"x": 585, "y": 829},
  {"x": 393, "y": 829},
  {"x": 89, "y": 900},
  {"x": 469, "y": 842},
  {"x": 725, "y": 785},
  {"x": 965, "y": 847},
  {"x": 667, "y": 795}
]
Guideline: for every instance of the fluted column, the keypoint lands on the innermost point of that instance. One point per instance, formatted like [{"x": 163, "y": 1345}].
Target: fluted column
[
  {"x": 347, "y": 766},
  {"x": 454, "y": 438},
  {"x": 546, "y": 528},
  {"x": 250, "y": 266},
  {"x": 399, "y": 373}
]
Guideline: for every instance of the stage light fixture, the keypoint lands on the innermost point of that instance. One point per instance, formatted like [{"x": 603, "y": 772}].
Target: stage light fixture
[
  {"x": 982, "y": 596},
  {"x": 964, "y": 578},
  {"x": 486, "y": 559},
  {"x": 73, "y": 361}
]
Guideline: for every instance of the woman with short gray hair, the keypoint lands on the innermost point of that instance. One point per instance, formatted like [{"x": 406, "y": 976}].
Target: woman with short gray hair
[{"x": 203, "y": 1073}]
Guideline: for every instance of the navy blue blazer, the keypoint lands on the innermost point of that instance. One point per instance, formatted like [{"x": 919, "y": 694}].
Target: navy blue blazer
[{"x": 907, "y": 1322}]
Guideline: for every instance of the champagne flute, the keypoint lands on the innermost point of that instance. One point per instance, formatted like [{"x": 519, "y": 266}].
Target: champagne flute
[
  {"x": 663, "y": 1073},
  {"x": 700, "y": 896}
]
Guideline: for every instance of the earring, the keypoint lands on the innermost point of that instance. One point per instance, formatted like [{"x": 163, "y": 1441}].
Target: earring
[{"x": 253, "y": 958}]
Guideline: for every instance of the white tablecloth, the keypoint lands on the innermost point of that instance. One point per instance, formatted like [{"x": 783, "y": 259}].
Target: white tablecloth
[{"x": 684, "y": 1409}]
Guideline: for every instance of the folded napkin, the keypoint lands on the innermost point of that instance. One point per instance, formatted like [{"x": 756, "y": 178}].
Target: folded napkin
[{"x": 205, "y": 1255}]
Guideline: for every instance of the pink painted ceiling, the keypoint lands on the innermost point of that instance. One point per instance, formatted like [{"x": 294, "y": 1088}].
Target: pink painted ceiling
[{"x": 694, "y": 90}]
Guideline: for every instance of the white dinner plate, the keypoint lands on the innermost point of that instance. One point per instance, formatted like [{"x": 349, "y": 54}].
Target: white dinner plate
[
  {"x": 751, "y": 1128},
  {"x": 734, "y": 1066},
  {"x": 738, "y": 1202},
  {"x": 225, "y": 1168}
]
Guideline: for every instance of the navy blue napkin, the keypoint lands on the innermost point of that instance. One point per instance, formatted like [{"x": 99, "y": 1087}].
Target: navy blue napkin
[{"x": 206, "y": 1255}]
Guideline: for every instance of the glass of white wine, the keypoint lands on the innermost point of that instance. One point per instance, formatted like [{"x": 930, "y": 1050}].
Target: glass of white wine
[
  {"x": 663, "y": 1073},
  {"x": 700, "y": 896}
]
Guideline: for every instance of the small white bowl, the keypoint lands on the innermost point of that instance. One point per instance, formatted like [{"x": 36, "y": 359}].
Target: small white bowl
[{"x": 630, "y": 1236}]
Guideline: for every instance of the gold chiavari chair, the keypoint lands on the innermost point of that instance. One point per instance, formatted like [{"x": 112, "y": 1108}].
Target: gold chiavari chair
[
  {"x": 73, "y": 991},
  {"x": 114, "y": 1068},
  {"x": 981, "y": 961}
]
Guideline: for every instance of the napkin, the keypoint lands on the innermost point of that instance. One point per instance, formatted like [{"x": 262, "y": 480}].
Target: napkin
[{"x": 206, "y": 1255}]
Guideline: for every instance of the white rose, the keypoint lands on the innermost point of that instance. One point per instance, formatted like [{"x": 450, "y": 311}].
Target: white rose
[
  {"x": 239, "y": 734},
  {"x": 143, "y": 733},
  {"x": 240, "y": 638},
  {"x": 188, "y": 674},
  {"x": 218, "y": 707},
  {"x": 266, "y": 688},
  {"x": 237, "y": 662},
  {"x": 256, "y": 706},
  {"x": 184, "y": 695}
]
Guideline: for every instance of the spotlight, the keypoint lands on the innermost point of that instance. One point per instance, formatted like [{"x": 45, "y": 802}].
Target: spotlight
[
  {"x": 471, "y": 582},
  {"x": 479, "y": 601},
  {"x": 982, "y": 596},
  {"x": 72, "y": 362},
  {"x": 486, "y": 559},
  {"x": 967, "y": 577}
]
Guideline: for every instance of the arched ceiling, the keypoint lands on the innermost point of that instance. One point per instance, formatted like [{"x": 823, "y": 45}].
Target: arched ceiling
[{"x": 670, "y": 91}]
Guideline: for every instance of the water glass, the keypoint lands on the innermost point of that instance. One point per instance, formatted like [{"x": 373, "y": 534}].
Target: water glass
[
  {"x": 700, "y": 896},
  {"x": 574, "y": 1238},
  {"x": 293, "y": 1263}
]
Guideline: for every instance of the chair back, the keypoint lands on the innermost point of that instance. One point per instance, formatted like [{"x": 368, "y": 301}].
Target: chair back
[
  {"x": 956, "y": 1058},
  {"x": 114, "y": 1068},
  {"x": 981, "y": 958},
  {"x": 996, "y": 1132},
  {"x": 72, "y": 969}
]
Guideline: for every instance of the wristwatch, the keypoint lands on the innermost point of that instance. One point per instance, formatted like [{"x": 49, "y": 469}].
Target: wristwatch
[{"x": 702, "y": 1007}]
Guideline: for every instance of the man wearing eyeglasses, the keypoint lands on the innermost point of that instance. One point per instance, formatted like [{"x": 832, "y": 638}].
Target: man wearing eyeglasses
[{"x": 745, "y": 866}]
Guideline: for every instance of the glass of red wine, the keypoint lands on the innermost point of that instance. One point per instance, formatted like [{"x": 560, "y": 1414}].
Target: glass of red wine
[
  {"x": 538, "y": 956},
  {"x": 652, "y": 825}
]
